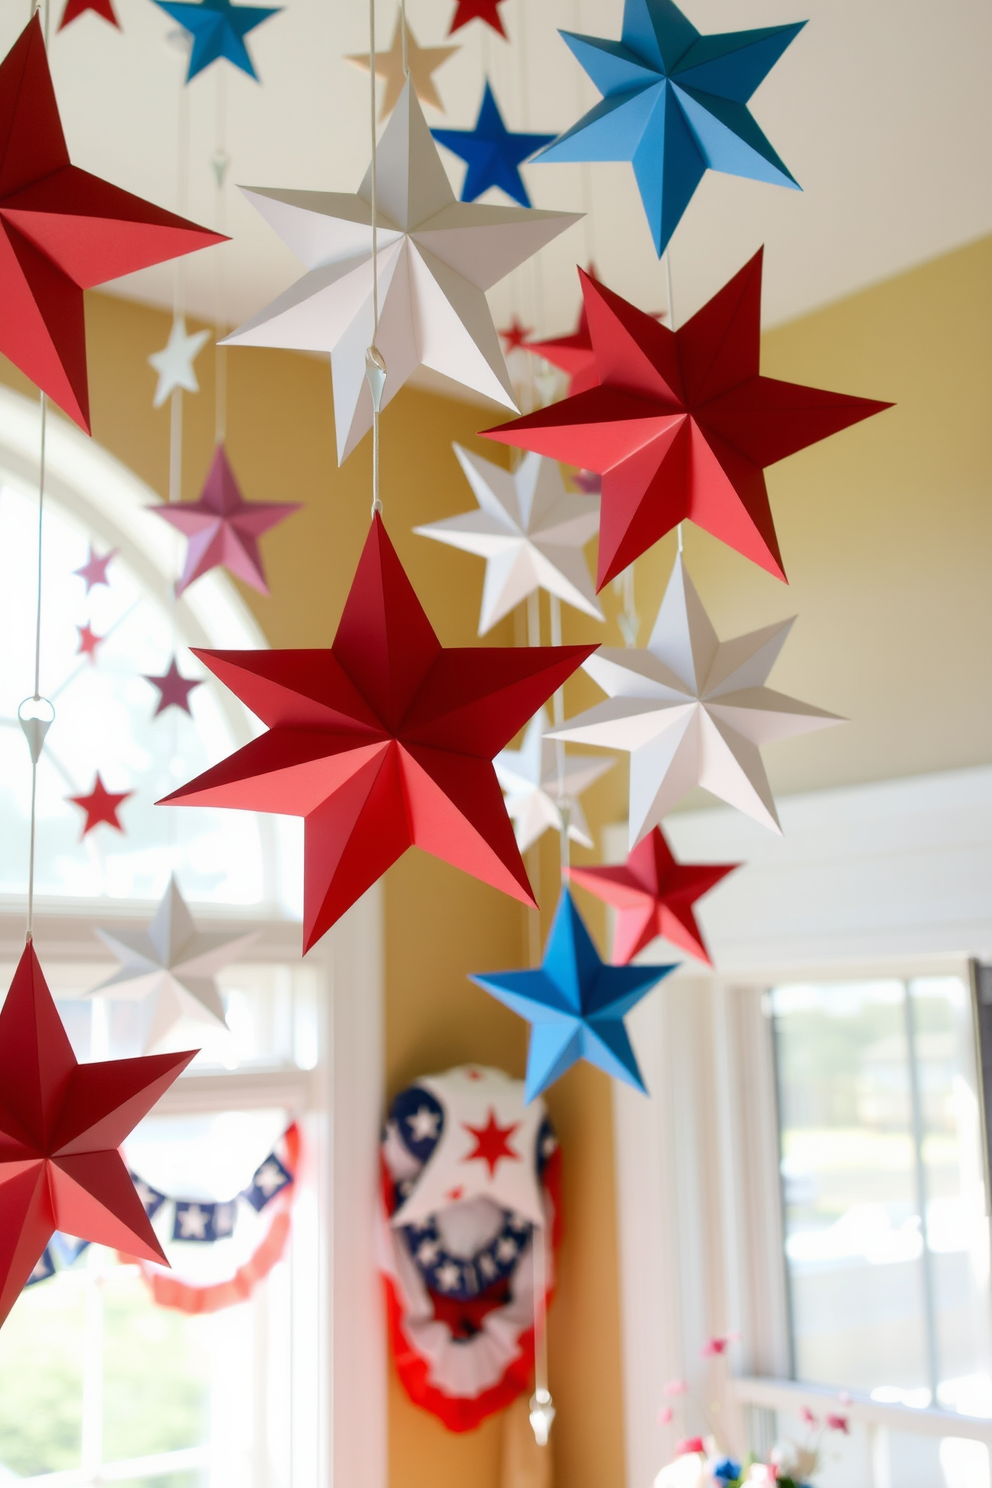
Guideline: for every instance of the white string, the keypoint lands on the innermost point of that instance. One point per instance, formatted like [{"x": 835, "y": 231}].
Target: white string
[
  {"x": 668, "y": 286},
  {"x": 375, "y": 367},
  {"x": 36, "y": 696},
  {"x": 406, "y": 65},
  {"x": 221, "y": 164},
  {"x": 564, "y": 805}
]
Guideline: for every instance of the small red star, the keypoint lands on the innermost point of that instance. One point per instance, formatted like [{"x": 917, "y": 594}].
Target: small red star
[
  {"x": 174, "y": 689},
  {"x": 75, "y": 8},
  {"x": 477, "y": 10},
  {"x": 492, "y": 1142},
  {"x": 88, "y": 642},
  {"x": 454, "y": 1194},
  {"x": 100, "y": 805},
  {"x": 94, "y": 570},
  {"x": 473, "y": 1074},
  {"x": 515, "y": 335}
]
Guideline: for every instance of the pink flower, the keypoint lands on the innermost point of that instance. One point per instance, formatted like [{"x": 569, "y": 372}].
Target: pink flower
[
  {"x": 665, "y": 1415},
  {"x": 838, "y": 1423},
  {"x": 808, "y": 1416},
  {"x": 689, "y": 1444},
  {"x": 676, "y": 1387}
]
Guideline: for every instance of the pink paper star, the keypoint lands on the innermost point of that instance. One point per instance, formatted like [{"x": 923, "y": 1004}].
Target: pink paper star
[
  {"x": 100, "y": 805},
  {"x": 88, "y": 642},
  {"x": 174, "y": 689},
  {"x": 94, "y": 570}
]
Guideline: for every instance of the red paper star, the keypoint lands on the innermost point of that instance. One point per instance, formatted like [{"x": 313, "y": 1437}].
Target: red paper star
[
  {"x": 477, "y": 10},
  {"x": 174, "y": 689},
  {"x": 75, "y": 8},
  {"x": 88, "y": 642},
  {"x": 515, "y": 335},
  {"x": 100, "y": 805},
  {"x": 682, "y": 424},
  {"x": 654, "y": 896},
  {"x": 94, "y": 570},
  {"x": 61, "y": 1124},
  {"x": 62, "y": 231},
  {"x": 492, "y": 1143},
  {"x": 223, "y": 528},
  {"x": 383, "y": 742},
  {"x": 574, "y": 354}
]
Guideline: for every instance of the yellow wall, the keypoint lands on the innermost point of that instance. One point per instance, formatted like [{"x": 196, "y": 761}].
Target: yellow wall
[{"x": 886, "y": 532}]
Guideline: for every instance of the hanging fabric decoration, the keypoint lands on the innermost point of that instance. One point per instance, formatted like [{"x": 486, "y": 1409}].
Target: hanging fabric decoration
[
  {"x": 682, "y": 424},
  {"x": 75, "y": 8},
  {"x": 477, "y": 10},
  {"x": 47, "y": 256},
  {"x": 653, "y": 895},
  {"x": 383, "y": 742},
  {"x": 491, "y": 152},
  {"x": 471, "y": 1193},
  {"x": 218, "y": 30},
  {"x": 675, "y": 105},
  {"x": 529, "y": 529},
  {"x": 173, "y": 689},
  {"x": 436, "y": 259},
  {"x": 536, "y": 785},
  {"x": 174, "y": 363},
  {"x": 406, "y": 58},
  {"x": 62, "y": 1248},
  {"x": 100, "y": 806}
]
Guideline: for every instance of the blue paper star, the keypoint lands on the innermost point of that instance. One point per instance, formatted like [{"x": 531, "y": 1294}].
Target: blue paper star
[
  {"x": 575, "y": 1004},
  {"x": 674, "y": 105},
  {"x": 493, "y": 155},
  {"x": 218, "y": 29}
]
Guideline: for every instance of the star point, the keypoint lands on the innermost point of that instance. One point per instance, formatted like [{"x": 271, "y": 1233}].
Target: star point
[
  {"x": 421, "y": 64},
  {"x": 492, "y": 154},
  {"x": 75, "y": 8},
  {"x": 486, "y": 11},
  {"x": 100, "y": 806},
  {"x": 174, "y": 363},
  {"x": 218, "y": 30}
]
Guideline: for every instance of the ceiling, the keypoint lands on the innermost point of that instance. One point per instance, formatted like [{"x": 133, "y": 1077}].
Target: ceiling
[{"x": 880, "y": 108}]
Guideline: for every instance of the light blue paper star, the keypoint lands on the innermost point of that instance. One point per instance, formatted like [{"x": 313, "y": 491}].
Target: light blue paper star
[
  {"x": 218, "y": 29},
  {"x": 575, "y": 1004},
  {"x": 675, "y": 105},
  {"x": 492, "y": 153}
]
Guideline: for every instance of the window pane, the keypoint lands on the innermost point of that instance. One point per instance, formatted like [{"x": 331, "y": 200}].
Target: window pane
[{"x": 41, "y": 1380}]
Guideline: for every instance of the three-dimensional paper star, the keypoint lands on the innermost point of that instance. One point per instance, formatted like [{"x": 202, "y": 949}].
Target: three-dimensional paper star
[
  {"x": 218, "y": 29},
  {"x": 174, "y": 363},
  {"x": 529, "y": 529},
  {"x": 62, "y": 231},
  {"x": 575, "y": 1004},
  {"x": 421, "y": 65},
  {"x": 492, "y": 1143},
  {"x": 653, "y": 895},
  {"x": 572, "y": 354},
  {"x": 61, "y": 1125},
  {"x": 173, "y": 688},
  {"x": 94, "y": 570},
  {"x": 223, "y": 528},
  {"x": 100, "y": 806},
  {"x": 75, "y": 8},
  {"x": 172, "y": 964},
  {"x": 536, "y": 789},
  {"x": 88, "y": 642},
  {"x": 383, "y": 742},
  {"x": 437, "y": 257},
  {"x": 675, "y": 105},
  {"x": 682, "y": 424},
  {"x": 491, "y": 152},
  {"x": 477, "y": 10},
  {"x": 514, "y": 336},
  {"x": 693, "y": 710}
]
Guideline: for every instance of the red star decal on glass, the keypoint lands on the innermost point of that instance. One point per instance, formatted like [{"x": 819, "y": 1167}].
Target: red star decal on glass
[
  {"x": 61, "y": 1124},
  {"x": 173, "y": 689},
  {"x": 682, "y": 424},
  {"x": 515, "y": 335},
  {"x": 477, "y": 10},
  {"x": 492, "y": 1143},
  {"x": 653, "y": 895},
  {"x": 94, "y": 570},
  {"x": 75, "y": 8},
  {"x": 88, "y": 642},
  {"x": 100, "y": 806}
]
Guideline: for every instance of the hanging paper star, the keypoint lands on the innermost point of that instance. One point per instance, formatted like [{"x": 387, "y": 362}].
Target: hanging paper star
[
  {"x": 173, "y": 689},
  {"x": 62, "y": 231},
  {"x": 535, "y": 789},
  {"x": 492, "y": 1143},
  {"x": 94, "y": 570},
  {"x": 383, "y": 742},
  {"x": 100, "y": 806},
  {"x": 437, "y": 257},
  {"x": 88, "y": 642},
  {"x": 477, "y": 10},
  {"x": 174, "y": 363},
  {"x": 692, "y": 710},
  {"x": 675, "y": 105},
  {"x": 529, "y": 529},
  {"x": 223, "y": 528},
  {"x": 682, "y": 424},
  {"x": 515, "y": 335},
  {"x": 218, "y": 29},
  {"x": 62, "y": 1124},
  {"x": 173, "y": 965},
  {"x": 575, "y": 1004},
  {"x": 421, "y": 65},
  {"x": 653, "y": 895},
  {"x": 75, "y": 8},
  {"x": 493, "y": 155},
  {"x": 572, "y": 354}
]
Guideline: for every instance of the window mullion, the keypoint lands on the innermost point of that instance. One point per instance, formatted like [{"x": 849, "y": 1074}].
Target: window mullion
[{"x": 916, "y": 1111}]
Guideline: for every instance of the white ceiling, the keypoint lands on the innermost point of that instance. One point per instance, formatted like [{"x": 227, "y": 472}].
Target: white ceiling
[{"x": 882, "y": 109}]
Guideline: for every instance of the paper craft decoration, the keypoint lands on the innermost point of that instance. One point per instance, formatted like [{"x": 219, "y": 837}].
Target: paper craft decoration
[
  {"x": 218, "y": 30},
  {"x": 514, "y": 336},
  {"x": 575, "y": 1004},
  {"x": 437, "y": 257},
  {"x": 477, "y": 10},
  {"x": 173, "y": 689},
  {"x": 223, "y": 528},
  {"x": 693, "y": 710},
  {"x": 572, "y": 354},
  {"x": 88, "y": 642},
  {"x": 421, "y": 65},
  {"x": 682, "y": 424},
  {"x": 675, "y": 105},
  {"x": 62, "y": 231},
  {"x": 653, "y": 895},
  {"x": 100, "y": 806},
  {"x": 63, "y": 1123},
  {"x": 492, "y": 154},
  {"x": 534, "y": 790},
  {"x": 75, "y": 8},
  {"x": 383, "y": 742},
  {"x": 174, "y": 363},
  {"x": 94, "y": 570},
  {"x": 529, "y": 529},
  {"x": 171, "y": 965}
]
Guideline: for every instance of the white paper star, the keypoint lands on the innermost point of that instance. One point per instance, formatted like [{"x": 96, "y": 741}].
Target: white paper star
[
  {"x": 173, "y": 964},
  {"x": 423, "y": 1124},
  {"x": 174, "y": 363},
  {"x": 529, "y": 778},
  {"x": 529, "y": 529},
  {"x": 437, "y": 257},
  {"x": 692, "y": 710}
]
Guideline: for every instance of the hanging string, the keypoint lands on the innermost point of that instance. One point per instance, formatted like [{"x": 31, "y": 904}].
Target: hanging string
[
  {"x": 671, "y": 323},
  {"x": 406, "y": 65},
  {"x": 542, "y": 1412},
  {"x": 375, "y": 366},
  {"x": 221, "y": 163},
  {"x": 564, "y": 804},
  {"x": 36, "y": 5},
  {"x": 35, "y": 719}
]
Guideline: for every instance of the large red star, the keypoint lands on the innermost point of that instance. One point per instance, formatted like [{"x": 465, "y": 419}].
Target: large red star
[
  {"x": 653, "y": 895},
  {"x": 61, "y": 1124},
  {"x": 383, "y": 742},
  {"x": 682, "y": 424},
  {"x": 492, "y": 1143},
  {"x": 477, "y": 10},
  {"x": 76, "y": 8},
  {"x": 100, "y": 805},
  {"x": 62, "y": 231}
]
